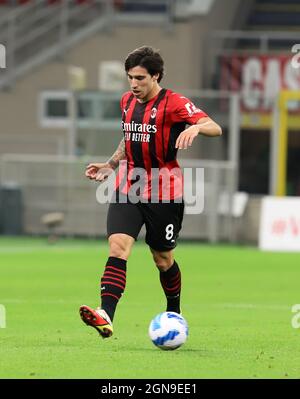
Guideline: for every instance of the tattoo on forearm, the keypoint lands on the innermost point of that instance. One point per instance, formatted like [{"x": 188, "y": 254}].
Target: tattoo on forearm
[{"x": 118, "y": 155}]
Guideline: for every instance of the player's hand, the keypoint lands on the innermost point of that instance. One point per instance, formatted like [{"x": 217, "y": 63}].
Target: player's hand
[
  {"x": 98, "y": 171},
  {"x": 186, "y": 138}
]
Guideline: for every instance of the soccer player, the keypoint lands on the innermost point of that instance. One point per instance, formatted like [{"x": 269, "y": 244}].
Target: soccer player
[{"x": 154, "y": 123}]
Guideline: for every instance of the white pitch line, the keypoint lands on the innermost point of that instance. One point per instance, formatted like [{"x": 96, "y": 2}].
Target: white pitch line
[
  {"x": 12, "y": 250},
  {"x": 217, "y": 305},
  {"x": 251, "y": 306},
  {"x": 5, "y": 301}
]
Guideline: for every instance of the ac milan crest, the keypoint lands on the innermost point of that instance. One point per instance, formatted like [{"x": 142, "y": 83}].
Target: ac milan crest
[{"x": 153, "y": 112}]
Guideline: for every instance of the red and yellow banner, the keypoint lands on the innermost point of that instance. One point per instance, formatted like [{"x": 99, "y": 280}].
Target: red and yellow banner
[{"x": 259, "y": 79}]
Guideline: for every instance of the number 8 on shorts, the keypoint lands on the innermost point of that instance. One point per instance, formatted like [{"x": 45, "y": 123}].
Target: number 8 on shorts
[{"x": 169, "y": 231}]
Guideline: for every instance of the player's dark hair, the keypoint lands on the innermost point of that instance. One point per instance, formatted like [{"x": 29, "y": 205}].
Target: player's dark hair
[{"x": 148, "y": 58}]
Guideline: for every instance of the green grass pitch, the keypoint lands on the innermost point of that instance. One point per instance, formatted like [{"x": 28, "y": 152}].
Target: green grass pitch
[{"x": 237, "y": 301}]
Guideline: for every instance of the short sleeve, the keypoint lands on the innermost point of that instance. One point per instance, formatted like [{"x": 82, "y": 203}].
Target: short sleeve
[{"x": 184, "y": 110}]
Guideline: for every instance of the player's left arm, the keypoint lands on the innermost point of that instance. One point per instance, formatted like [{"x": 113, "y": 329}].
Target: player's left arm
[{"x": 205, "y": 126}]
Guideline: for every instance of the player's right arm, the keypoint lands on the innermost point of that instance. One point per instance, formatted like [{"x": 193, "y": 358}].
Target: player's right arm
[{"x": 100, "y": 171}]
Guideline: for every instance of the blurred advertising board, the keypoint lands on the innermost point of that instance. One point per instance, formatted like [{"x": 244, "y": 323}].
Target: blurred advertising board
[{"x": 280, "y": 224}]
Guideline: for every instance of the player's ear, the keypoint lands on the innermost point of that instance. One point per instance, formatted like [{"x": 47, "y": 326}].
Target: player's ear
[{"x": 155, "y": 77}]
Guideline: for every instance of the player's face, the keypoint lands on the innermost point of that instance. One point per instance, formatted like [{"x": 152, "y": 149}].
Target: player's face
[{"x": 142, "y": 84}]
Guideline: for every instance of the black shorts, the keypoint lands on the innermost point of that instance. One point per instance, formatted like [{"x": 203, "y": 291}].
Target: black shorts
[{"x": 163, "y": 222}]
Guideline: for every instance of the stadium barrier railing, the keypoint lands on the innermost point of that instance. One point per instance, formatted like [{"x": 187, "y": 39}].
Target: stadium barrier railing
[{"x": 57, "y": 184}]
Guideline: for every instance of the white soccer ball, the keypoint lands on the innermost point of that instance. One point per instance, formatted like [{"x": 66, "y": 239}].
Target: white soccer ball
[{"x": 168, "y": 330}]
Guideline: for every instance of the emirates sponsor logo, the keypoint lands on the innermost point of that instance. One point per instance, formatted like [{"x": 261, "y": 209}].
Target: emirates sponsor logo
[{"x": 138, "y": 127}]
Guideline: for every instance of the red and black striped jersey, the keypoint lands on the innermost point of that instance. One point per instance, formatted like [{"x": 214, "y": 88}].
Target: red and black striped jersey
[{"x": 150, "y": 133}]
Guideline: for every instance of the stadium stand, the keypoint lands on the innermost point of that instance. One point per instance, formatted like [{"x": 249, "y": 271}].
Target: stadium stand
[{"x": 272, "y": 16}]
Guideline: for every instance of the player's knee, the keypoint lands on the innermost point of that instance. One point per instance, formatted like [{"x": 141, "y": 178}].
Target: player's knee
[
  {"x": 119, "y": 247},
  {"x": 163, "y": 260}
]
